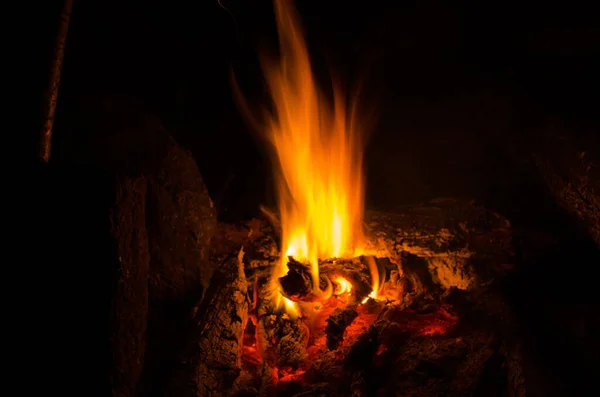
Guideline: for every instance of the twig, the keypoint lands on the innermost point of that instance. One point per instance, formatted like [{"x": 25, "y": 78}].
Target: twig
[{"x": 52, "y": 93}]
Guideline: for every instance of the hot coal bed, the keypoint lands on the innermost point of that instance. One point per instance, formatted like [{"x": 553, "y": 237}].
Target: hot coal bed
[{"x": 437, "y": 327}]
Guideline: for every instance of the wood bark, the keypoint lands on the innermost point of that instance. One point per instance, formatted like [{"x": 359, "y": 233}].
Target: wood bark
[
  {"x": 462, "y": 243},
  {"x": 130, "y": 302},
  {"x": 165, "y": 210},
  {"x": 212, "y": 361}
]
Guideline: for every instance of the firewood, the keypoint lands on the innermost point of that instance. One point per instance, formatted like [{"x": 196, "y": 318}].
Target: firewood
[
  {"x": 54, "y": 83},
  {"x": 212, "y": 361},
  {"x": 462, "y": 243}
]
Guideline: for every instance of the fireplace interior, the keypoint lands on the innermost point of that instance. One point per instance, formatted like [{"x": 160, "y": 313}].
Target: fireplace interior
[{"x": 310, "y": 198}]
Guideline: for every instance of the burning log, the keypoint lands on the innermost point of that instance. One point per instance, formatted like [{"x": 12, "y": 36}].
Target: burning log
[
  {"x": 444, "y": 243},
  {"x": 212, "y": 361},
  {"x": 297, "y": 284},
  {"x": 355, "y": 270},
  {"x": 285, "y": 341}
]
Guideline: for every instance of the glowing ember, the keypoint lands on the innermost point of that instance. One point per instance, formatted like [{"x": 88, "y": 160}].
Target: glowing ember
[{"x": 318, "y": 154}]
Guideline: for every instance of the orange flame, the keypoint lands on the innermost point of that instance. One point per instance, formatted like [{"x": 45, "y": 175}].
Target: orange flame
[
  {"x": 343, "y": 286},
  {"x": 318, "y": 153},
  {"x": 320, "y": 187},
  {"x": 375, "y": 282}
]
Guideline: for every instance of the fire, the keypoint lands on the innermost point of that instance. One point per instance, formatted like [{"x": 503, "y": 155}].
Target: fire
[
  {"x": 318, "y": 153},
  {"x": 290, "y": 307},
  {"x": 374, "y": 278},
  {"x": 343, "y": 286},
  {"x": 320, "y": 184}
]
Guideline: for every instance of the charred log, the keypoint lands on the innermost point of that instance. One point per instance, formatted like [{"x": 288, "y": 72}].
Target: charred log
[
  {"x": 212, "y": 361},
  {"x": 462, "y": 243},
  {"x": 355, "y": 270},
  {"x": 297, "y": 284},
  {"x": 281, "y": 343}
]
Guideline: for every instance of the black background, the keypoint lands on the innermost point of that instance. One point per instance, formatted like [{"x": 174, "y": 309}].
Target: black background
[{"x": 451, "y": 84}]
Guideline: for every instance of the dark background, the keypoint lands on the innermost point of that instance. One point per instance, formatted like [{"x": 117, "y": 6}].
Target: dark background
[
  {"x": 450, "y": 84},
  {"x": 461, "y": 91}
]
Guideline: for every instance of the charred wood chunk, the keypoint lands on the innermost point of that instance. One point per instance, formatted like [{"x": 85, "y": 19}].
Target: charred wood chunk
[
  {"x": 361, "y": 354},
  {"x": 297, "y": 283},
  {"x": 337, "y": 324},
  {"x": 292, "y": 345},
  {"x": 282, "y": 342},
  {"x": 460, "y": 241}
]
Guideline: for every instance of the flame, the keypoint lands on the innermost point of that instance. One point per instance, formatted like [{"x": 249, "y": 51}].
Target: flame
[
  {"x": 290, "y": 307},
  {"x": 320, "y": 187},
  {"x": 375, "y": 282},
  {"x": 318, "y": 153},
  {"x": 343, "y": 286}
]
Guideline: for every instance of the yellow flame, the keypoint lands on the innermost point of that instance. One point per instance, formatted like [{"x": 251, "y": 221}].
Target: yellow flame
[
  {"x": 374, "y": 270},
  {"x": 291, "y": 308},
  {"x": 343, "y": 286},
  {"x": 318, "y": 153}
]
